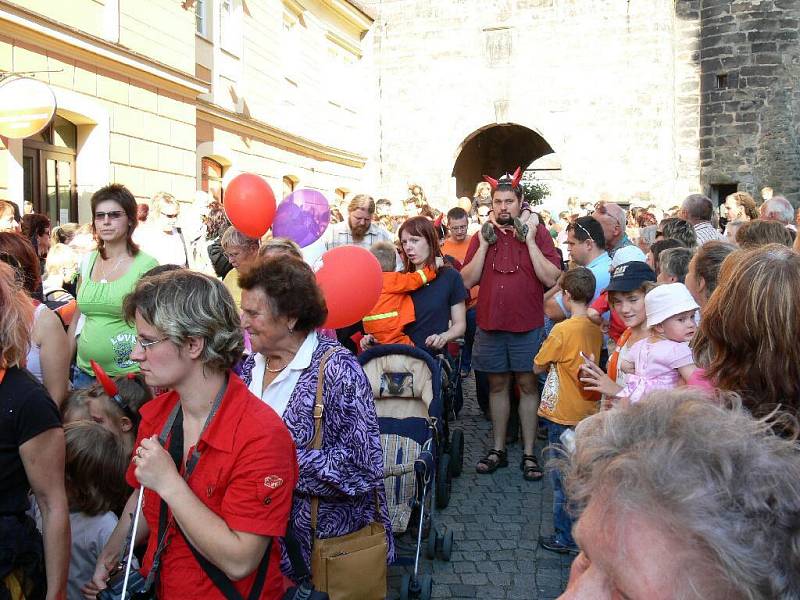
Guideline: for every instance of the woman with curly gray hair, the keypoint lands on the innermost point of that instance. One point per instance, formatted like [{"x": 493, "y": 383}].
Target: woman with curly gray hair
[
  {"x": 679, "y": 497},
  {"x": 232, "y": 494}
]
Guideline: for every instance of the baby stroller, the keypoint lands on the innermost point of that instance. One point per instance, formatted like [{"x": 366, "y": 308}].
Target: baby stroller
[{"x": 409, "y": 399}]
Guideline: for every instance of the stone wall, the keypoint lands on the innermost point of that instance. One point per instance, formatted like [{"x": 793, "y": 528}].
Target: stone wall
[
  {"x": 612, "y": 86},
  {"x": 750, "y": 128}
]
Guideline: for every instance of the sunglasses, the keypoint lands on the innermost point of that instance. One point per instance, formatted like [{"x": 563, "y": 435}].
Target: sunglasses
[{"x": 112, "y": 214}]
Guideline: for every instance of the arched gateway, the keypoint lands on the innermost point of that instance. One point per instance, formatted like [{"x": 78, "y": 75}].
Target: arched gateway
[{"x": 494, "y": 149}]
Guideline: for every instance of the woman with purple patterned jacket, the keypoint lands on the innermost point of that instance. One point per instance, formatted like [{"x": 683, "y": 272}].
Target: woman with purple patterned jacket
[{"x": 282, "y": 307}]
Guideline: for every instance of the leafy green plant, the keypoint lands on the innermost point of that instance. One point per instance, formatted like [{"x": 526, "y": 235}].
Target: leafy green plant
[{"x": 534, "y": 191}]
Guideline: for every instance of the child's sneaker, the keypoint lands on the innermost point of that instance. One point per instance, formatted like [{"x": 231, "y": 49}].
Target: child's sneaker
[
  {"x": 520, "y": 230},
  {"x": 487, "y": 231}
]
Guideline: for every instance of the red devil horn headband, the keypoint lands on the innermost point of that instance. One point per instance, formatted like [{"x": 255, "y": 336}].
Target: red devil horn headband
[
  {"x": 516, "y": 177},
  {"x": 511, "y": 180}
]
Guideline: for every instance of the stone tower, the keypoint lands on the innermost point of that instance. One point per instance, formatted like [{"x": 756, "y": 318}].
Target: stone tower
[
  {"x": 750, "y": 103},
  {"x": 630, "y": 98}
]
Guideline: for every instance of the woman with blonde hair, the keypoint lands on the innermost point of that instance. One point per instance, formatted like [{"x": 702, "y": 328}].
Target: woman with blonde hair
[
  {"x": 750, "y": 328},
  {"x": 31, "y": 458},
  {"x": 740, "y": 206}
]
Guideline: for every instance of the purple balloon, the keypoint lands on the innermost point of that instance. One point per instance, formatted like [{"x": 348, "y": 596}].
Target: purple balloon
[{"x": 303, "y": 217}]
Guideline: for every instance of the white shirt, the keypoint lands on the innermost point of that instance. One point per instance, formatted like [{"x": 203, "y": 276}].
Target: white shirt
[{"x": 277, "y": 394}]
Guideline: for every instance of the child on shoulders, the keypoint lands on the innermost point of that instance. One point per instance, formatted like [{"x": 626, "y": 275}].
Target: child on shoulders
[{"x": 662, "y": 360}]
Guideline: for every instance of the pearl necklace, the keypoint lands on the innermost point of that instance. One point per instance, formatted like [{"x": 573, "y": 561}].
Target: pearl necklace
[
  {"x": 268, "y": 370},
  {"x": 104, "y": 279}
]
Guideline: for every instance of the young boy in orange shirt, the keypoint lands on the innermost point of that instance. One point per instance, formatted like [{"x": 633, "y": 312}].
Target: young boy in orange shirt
[
  {"x": 395, "y": 308},
  {"x": 565, "y": 407}
]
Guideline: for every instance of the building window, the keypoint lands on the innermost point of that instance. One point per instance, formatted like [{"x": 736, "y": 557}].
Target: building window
[
  {"x": 211, "y": 177},
  {"x": 200, "y": 16},
  {"x": 722, "y": 81},
  {"x": 289, "y": 184},
  {"x": 230, "y": 26}
]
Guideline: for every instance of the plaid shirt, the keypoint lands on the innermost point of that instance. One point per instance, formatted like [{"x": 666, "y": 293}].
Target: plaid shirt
[
  {"x": 705, "y": 232},
  {"x": 340, "y": 235}
]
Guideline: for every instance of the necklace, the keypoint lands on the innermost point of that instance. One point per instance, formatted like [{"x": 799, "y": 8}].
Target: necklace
[
  {"x": 104, "y": 279},
  {"x": 268, "y": 370}
]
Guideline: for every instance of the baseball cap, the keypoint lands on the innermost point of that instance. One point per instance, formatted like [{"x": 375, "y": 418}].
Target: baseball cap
[
  {"x": 630, "y": 276},
  {"x": 666, "y": 301},
  {"x": 626, "y": 255}
]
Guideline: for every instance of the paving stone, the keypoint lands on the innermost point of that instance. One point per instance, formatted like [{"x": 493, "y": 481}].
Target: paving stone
[{"x": 496, "y": 522}]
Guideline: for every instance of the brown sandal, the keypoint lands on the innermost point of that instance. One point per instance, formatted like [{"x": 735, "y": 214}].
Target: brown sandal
[
  {"x": 489, "y": 465},
  {"x": 531, "y": 472}
]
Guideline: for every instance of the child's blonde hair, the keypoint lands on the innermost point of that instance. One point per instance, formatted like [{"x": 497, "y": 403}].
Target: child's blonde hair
[
  {"x": 386, "y": 255},
  {"x": 76, "y": 407}
]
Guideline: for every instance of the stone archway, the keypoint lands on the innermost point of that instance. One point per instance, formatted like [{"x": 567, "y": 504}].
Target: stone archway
[{"x": 494, "y": 150}]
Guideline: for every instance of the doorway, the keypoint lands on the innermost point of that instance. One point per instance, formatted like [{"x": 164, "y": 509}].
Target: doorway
[
  {"x": 48, "y": 164},
  {"x": 495, "y": 150}
]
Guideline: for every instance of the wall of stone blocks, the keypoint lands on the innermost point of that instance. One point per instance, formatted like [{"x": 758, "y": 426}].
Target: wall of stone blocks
[
  {"x": 610, "y": 85},
  {"x": 750, "y": 122}
]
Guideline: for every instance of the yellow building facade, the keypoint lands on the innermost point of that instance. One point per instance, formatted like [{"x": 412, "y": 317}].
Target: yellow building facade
[{"x": 164, "y": 95}]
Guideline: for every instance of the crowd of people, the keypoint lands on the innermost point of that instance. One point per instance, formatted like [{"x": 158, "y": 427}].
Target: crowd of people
[{"x": 181, "y": 377}]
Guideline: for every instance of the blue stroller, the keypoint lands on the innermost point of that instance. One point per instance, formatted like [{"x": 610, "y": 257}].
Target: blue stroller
[{"x": 409, "y": 386}]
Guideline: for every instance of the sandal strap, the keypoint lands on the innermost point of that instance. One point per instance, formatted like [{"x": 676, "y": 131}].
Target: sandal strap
[
  {"x": 500, "y": 454},
  {"x": 530, "y": 457}
]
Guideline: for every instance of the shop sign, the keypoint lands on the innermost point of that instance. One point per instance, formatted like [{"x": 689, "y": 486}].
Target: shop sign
[{"x": 26, "y": 107}]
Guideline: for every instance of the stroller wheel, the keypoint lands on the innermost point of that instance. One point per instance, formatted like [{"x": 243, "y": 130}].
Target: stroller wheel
[
  {"x": 430, "y": 545},
  {"x": 447, "y": 545},
  {"x": 405, "y": 584},
  {"x": 444, "y": 482},
  {"x": 457, "y": 452},
  {"x": 426, "y": 587}
]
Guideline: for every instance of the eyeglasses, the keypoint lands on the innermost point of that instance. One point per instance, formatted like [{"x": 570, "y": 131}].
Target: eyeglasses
[
  {"x": 112, "y": 214},
  {"x": 458, "y": 228},
  {"x": 148, "y": 344}
]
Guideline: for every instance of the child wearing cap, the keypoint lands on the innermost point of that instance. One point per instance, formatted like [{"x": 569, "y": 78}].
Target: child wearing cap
[
  {"x": 663, "y": 359},
  {"x": 629, "y": 284},
  {"x": 600, "y": 306}
]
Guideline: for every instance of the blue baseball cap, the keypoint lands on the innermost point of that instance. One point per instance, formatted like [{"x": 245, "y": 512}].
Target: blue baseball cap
[{"x": 630, "y": 276}]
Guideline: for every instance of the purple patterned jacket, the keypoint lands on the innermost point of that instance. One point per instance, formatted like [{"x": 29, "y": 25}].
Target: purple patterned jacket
[{"x": 349, "y": 466}]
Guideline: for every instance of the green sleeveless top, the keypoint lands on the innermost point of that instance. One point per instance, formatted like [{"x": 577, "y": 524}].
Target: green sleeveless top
[{"x": 106, "y": 338}]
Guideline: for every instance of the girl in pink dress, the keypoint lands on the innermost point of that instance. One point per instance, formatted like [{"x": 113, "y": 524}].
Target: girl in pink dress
[{"x": 663, "y": 360}]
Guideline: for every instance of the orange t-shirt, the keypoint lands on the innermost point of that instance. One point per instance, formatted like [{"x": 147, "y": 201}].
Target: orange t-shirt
[{"x": 458, "y": 250}]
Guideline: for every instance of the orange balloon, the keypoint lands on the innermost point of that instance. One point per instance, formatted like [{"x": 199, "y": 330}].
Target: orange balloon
[
  {"x": 250, "y": 204},
  {"x": 351, "y": 281}
]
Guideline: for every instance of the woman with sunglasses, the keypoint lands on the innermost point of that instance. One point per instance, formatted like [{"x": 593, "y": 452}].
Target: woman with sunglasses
[{"x": 107, "y": 275}]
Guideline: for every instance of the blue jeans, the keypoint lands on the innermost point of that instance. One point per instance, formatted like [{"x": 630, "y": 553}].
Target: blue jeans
[
  {"x": 81, "y": 379},
  {"x": 562, "y": 522},
  {"x": 469, "y": 339}
]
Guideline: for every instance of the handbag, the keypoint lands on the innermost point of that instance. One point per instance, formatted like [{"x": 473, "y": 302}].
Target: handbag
[
  {"x": 550, "y": 391},
  {"x": 304, "y": 591},
  {"x": 351, "y": 566}
]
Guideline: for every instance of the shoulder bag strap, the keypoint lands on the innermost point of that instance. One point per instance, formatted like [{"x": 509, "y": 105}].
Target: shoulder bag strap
[
  {"x": 316, "y": 441},
  {"x": 223, "y": 583},
  {"x": 316, "y": 444}
]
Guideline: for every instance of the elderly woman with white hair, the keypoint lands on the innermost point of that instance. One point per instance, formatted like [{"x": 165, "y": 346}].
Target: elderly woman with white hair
[
  {"x": 239, "y": 249},
  {"x": 681, "y": 498},
  {"x": 210, "y": 455}
]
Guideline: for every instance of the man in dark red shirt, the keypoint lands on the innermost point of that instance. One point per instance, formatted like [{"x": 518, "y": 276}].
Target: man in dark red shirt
[{"x": 512, "y": 275}]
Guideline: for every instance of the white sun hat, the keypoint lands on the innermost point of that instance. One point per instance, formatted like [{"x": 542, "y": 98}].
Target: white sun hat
[{"x": 667, "y": 300}]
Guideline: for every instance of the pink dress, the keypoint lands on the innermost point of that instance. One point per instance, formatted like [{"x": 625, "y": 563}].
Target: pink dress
[{"x": 656, "y": 367}]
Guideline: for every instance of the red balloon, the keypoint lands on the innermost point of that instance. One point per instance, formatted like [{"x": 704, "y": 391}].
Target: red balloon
[
  {"x": 250, "y": 204},
  {"x": 351, "y": 281}
]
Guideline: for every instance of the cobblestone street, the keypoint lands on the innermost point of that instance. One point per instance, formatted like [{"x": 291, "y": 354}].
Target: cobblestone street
[{"x": 496, "y": 521}]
